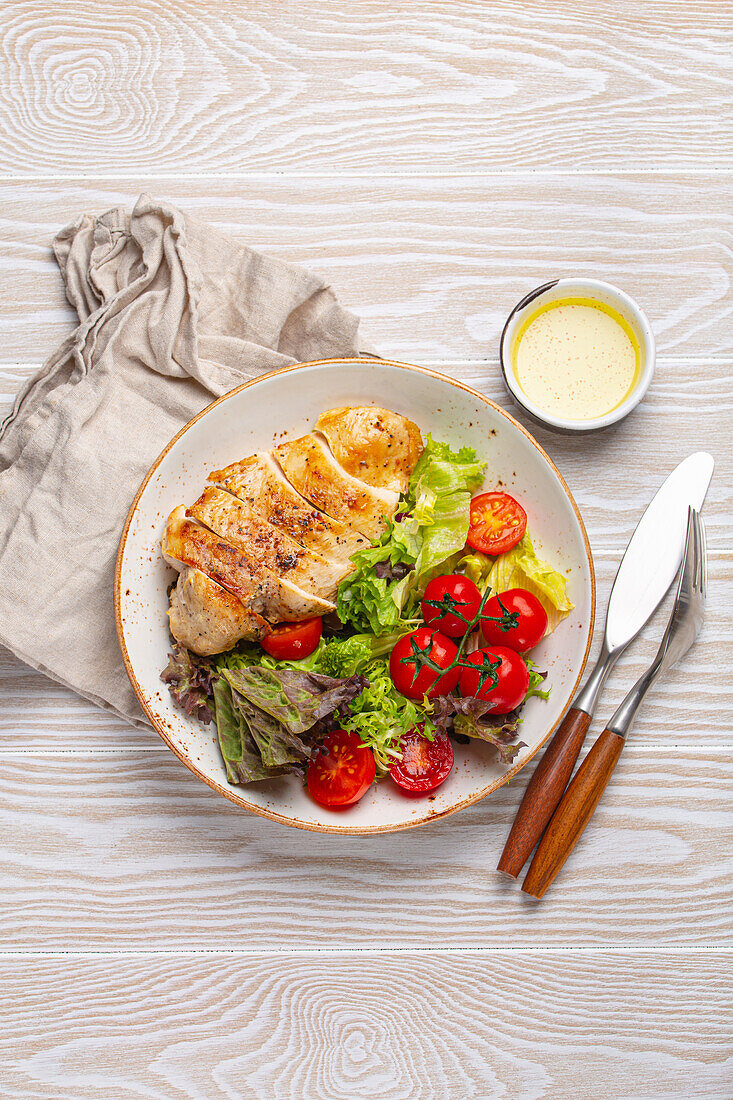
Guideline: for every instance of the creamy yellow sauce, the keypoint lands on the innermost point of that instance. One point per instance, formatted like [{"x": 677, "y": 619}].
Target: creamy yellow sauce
[{"x": 576, "y": 358}]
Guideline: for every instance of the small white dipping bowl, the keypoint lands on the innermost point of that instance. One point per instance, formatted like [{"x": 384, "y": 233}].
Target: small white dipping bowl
[{"x": 598, "y": 291}]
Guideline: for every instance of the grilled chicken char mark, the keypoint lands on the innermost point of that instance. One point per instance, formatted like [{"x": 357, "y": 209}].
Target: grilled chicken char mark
[
  {"x": 242, "y": 528},
  {"x": 260, "y": 591},
  {"x": 260, "y": 483},
  {"x": 313, "y": 471}
]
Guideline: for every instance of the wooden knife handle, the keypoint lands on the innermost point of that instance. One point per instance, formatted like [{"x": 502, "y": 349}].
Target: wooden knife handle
[
  {"x": 544, "y": 791},
  {"x": 574, "y": 812}
]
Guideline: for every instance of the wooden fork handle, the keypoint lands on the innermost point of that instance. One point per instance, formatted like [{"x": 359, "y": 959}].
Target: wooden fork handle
[
  {"x": 574, "y": 812},
  {"x": 544, "y": 791}
]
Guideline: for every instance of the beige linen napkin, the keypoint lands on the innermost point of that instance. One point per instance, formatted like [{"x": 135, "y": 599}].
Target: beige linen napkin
[{"x": 172, "y": 314}]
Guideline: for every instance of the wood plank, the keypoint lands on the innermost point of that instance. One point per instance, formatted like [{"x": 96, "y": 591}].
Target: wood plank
[
  {"x": 438, "y": 1025},
  {"x": 181, "y": 86},
  {"x": 432, "y": 265},
  {"x": 128, "y": 851}
]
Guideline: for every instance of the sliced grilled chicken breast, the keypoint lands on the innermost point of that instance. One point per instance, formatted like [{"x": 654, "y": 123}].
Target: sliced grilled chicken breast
[
  {"x": 258, "y": 589},
  {"x": 260, "y": 483},
  {"x": 314, "y": 472},
  {"x": 271, "y": 537},
  {"x": 206, "y": 618},
  {"x": 375, "y": 445},
  {"x": 234, "y": 521}
]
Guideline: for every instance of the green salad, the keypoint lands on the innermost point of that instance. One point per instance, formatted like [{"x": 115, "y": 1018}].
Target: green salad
[{"x": 429, "y": 642}]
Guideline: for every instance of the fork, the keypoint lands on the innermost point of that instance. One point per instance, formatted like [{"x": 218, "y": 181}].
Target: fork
[{"x": 584, "y": 792}]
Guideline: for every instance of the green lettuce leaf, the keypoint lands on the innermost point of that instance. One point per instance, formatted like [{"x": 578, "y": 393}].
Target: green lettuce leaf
[
  {"x": 239, "y": 750},
  {"x": 430, "y": 527},
  {"x": 536, "y": 680},
  {"x": 269, "y": 720},
  {"x": 441, "y": 487},
  {"x": 372, "y": 602},
  {"x": 521, "y": 568},
  {"x": 297, "y": 700}
]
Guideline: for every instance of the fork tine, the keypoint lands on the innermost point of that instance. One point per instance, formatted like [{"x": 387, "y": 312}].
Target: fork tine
[
  {"x": 703, "y": 556},
  {"x": 696, "y": 578}
]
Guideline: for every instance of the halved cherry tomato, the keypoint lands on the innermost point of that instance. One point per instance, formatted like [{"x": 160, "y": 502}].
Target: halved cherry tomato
[
  {"x": 415, "y": 679},
  {"x": 500, "y": 677},
  {"x": 444, "y": 596},
  {"x": 520, "y": 620},
  {"x": 497, "y": 523},
  {"x": 424, "y": 764},
  {"x": 293, "y": 641},
  {"x": 341, "y": 774}
]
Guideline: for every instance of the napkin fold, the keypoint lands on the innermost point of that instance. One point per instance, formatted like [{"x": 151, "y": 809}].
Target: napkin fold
[{"x": 172, "y": 315}]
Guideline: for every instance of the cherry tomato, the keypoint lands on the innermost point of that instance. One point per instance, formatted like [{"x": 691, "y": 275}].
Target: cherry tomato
[
  {"x": 340, "y": 776},
  {"x": 293, "y": 641},
  {"x": 524, "y": 620},
  {"x": 424, "y": 764},
  {"x": 500, "y": 677},
  {"x": 452, "y": 594},
  {"x": 497, "y": 523},
  {"x": 415, "y": 679}
]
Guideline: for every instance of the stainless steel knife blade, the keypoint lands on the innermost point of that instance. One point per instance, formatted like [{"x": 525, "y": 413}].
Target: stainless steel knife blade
[{"x": 649, "y": 566}]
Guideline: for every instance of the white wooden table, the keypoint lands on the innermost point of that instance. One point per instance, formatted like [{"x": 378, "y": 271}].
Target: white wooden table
[{"x": 434, "y": 163}]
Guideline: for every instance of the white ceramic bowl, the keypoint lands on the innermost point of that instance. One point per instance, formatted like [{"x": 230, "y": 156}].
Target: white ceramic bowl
[
  {"x": 597, "y": 291},
  {"x": 287, "y": 404}
]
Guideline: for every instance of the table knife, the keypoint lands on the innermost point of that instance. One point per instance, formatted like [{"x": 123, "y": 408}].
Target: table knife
[
  {"x": 648, "y": 568},
  {"x": 579, "y": 802}
]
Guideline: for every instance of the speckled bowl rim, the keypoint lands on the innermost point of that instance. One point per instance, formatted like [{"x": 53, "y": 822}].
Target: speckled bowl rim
[{"x": 232, "y": 794}]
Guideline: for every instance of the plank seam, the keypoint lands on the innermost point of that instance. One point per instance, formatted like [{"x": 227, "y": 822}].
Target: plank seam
[
  {"x": 213, "y": 175},
  {"x": 406, "y": 949}
]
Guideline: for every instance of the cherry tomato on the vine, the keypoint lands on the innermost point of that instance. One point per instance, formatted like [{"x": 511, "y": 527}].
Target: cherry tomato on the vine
[
  {"x": 411, "y": 661},
  {"x": 450, "y": 603},
  {"x": 519, "y": 620},
  {"x": 341, "y": 774},
  {"x": 424, "y": 764},
  {"x": 293, "y": 641},
  {"x": 497, "y": 523},
  {"x": 500, "y": 677}
]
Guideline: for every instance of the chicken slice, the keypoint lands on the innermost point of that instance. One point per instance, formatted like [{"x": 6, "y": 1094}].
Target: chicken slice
[
  {"x": 206, "y": 618},
  {"x": 242, "y": 528},
  {"x": 313, "y": 471},
  {"x": 376, "y": 445},
  {"x": 259, "y": 482},
  {"x": 260, "y": 591}
]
